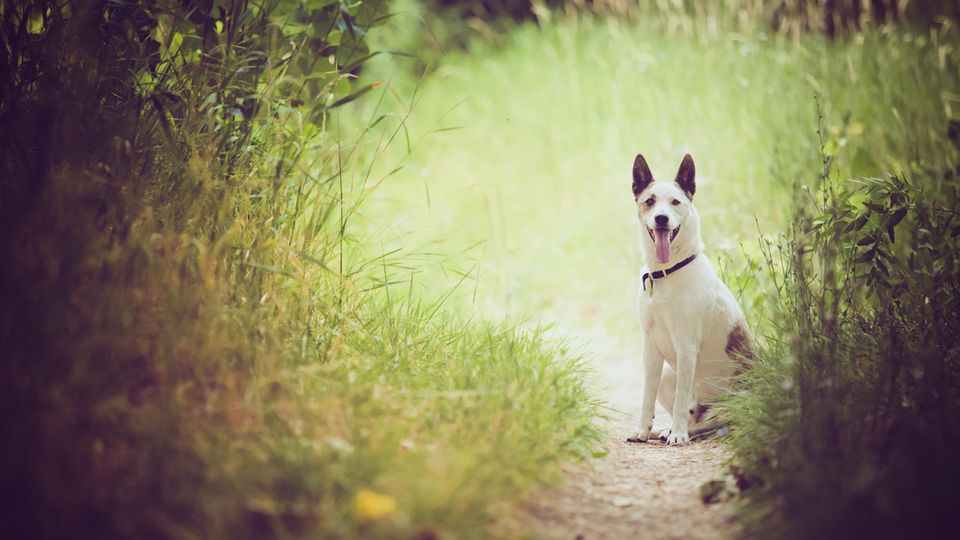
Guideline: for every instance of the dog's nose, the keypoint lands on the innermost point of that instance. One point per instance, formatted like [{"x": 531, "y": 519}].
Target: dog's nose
[{"x": 661, "y": 220}]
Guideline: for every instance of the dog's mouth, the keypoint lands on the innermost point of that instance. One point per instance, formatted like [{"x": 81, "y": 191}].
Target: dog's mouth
[{"x": 662, "y": 238}]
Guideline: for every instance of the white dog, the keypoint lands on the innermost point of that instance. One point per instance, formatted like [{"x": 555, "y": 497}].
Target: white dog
[{"x": 689, "y": 317}]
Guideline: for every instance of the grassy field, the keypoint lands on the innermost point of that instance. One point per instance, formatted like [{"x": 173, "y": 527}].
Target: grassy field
[{"x": 521, "y": 153}]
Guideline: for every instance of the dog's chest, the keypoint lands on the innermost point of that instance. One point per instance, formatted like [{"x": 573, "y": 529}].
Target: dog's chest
[
  {"x": 655, "y": 328},
  {"x": 677, "y": 308},
  {"x": 658, "y": 317}
]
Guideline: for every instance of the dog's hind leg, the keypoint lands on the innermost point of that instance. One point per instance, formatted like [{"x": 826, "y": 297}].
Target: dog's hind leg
[{"x": 652, "y": 368}]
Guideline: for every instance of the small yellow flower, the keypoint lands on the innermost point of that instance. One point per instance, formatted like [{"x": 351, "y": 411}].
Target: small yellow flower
[
  {"x": 856, "y": 128},
  {"x": 371, "y": 505}
]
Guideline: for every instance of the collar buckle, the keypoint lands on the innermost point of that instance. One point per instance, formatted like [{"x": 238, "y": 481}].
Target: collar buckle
[{"x": 660, "y": 274}]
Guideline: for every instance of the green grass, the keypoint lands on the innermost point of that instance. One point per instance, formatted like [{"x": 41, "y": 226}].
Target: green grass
[
  {"x": 449, "y": 419},
  {"x": 197, "y": 343},
  {"x": 543, "y": 129}
]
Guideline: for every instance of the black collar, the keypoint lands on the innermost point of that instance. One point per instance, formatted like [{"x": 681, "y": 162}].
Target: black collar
[{"x": 659, "y": 274}]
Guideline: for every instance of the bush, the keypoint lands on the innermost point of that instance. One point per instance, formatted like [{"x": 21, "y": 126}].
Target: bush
[{"x": 848, "y": 420}]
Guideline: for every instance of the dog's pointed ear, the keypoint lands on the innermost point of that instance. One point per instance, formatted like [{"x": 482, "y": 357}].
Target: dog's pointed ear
[
  {"x": 685, "y": 176},
  {"x": 642, "y": 177}
]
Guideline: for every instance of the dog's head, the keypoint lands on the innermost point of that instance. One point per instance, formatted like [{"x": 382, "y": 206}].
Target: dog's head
[{"x": 665, "y": 208}]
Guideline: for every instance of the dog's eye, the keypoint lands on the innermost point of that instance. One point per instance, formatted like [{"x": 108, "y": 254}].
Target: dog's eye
[
  {"x": 649, "y": 202},
  {"x": 676, "y": 202}
]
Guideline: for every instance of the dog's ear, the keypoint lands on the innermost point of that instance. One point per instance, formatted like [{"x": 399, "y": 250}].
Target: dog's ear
[
  {"x": 641, "y": 176},
  {"x": 685, "y": 176}
]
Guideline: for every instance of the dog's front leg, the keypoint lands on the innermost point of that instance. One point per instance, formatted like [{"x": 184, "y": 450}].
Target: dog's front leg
[
  {"x": 686, "y": 367},
  {"x": 652, "y": 369}
]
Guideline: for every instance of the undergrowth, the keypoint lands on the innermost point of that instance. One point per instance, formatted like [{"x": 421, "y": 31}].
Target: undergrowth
[
  {"x": 195, "y": 344},
  {"x": 846, "y": 425}
]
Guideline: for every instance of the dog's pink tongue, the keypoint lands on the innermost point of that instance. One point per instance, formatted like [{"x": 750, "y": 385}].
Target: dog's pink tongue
[{"x": 661, "y": 242}]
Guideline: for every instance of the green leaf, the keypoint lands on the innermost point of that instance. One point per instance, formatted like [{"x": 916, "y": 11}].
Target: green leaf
[
  {"x": 883, "y": 253},
  {"x": 883, "y": 268},
  {"x": 353, "y": 96},
  {"x": 356, "y": 63},
  {"x": 268, "y": 268},
  {"x": 857, "y": 224},
  {"x": 333, "y": 38},
  {"x": 897, "y": 217},
  {"x": 866, "y": 257}
]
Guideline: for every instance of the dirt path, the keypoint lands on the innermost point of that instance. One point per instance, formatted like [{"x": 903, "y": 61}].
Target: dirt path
[{"x": 637, "y": 490}]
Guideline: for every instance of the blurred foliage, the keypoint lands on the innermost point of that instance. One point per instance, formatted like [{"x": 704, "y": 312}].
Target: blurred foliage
[
  {"x": 193, "y": 342},
  {"x": 847, "y": 424},
  {"x": 454, "y": 23},
  {"x": 829, "y": 16},
  {"x": 549, "y": 115}
]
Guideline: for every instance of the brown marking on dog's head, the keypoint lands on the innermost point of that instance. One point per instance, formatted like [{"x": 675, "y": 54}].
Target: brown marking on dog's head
[
  {"x": 686, "y": 176},
  {"x": 642, "y": 177},
  {"x": 739, "y": 345}
]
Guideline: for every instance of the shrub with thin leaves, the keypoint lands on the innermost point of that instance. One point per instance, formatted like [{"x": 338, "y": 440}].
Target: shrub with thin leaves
[{"x": 847, "y": 421}]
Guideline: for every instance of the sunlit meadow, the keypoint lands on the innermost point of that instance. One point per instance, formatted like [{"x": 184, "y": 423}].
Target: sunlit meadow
[{"x": 519, "y": 160}]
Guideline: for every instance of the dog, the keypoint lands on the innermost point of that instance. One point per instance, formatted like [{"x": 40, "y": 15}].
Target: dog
[{"x": 688, "y": 316}]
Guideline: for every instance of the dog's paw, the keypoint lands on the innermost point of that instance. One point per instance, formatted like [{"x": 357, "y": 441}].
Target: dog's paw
[
  {"x": 678, "y": 438},
  {"x": 639, "y": 436}
]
